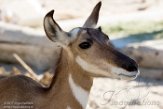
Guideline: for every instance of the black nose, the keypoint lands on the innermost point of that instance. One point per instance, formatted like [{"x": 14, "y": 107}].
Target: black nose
[
  {"x": 125, "y": 62},
  {"x": 130, "y": 66}
]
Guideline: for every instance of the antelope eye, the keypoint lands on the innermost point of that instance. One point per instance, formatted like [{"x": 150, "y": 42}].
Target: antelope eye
[{"x": 85, "y": 45}]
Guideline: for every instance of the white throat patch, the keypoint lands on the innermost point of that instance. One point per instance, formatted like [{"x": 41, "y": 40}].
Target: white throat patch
[
  {"x": 79, "y": 93},
  {"x": 68, "y": 107}
]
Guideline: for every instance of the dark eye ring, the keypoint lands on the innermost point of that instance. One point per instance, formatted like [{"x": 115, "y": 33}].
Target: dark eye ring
[{"x": 85, "y": 45}]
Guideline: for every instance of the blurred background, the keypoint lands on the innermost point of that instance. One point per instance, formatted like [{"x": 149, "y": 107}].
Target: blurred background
[{"x": 135, "y": 27}]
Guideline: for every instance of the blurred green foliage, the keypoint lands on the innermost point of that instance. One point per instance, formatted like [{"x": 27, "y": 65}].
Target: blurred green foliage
[{"x": 150, "y": 29}]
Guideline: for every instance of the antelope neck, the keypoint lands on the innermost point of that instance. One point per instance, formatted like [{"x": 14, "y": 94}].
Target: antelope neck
[{"x": 71, "y": 82}]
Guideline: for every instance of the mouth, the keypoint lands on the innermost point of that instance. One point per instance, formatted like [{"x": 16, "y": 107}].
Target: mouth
[
  {"x": 129, "y": 75},
  {"x": 124, "y": 74}
]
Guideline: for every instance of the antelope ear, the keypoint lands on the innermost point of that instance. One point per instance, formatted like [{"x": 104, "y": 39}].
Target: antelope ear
[
  {"x": 53, "y": 30},
  {"x": 93, "y": 18}
]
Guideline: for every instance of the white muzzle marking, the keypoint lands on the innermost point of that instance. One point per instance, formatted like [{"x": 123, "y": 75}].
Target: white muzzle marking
[{"x": 119, "y": 72}]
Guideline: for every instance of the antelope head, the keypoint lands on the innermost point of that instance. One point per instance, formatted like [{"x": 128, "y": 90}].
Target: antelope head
[{"x": 91, "y": 48}]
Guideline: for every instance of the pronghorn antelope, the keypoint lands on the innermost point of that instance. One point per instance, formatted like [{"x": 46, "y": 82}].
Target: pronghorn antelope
[{"x": 86, "y": 53}]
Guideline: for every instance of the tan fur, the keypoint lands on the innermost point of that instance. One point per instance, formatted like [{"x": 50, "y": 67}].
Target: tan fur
[
  {"x": 21, "y": 88},
  {"x": 99, "y": 60}
]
